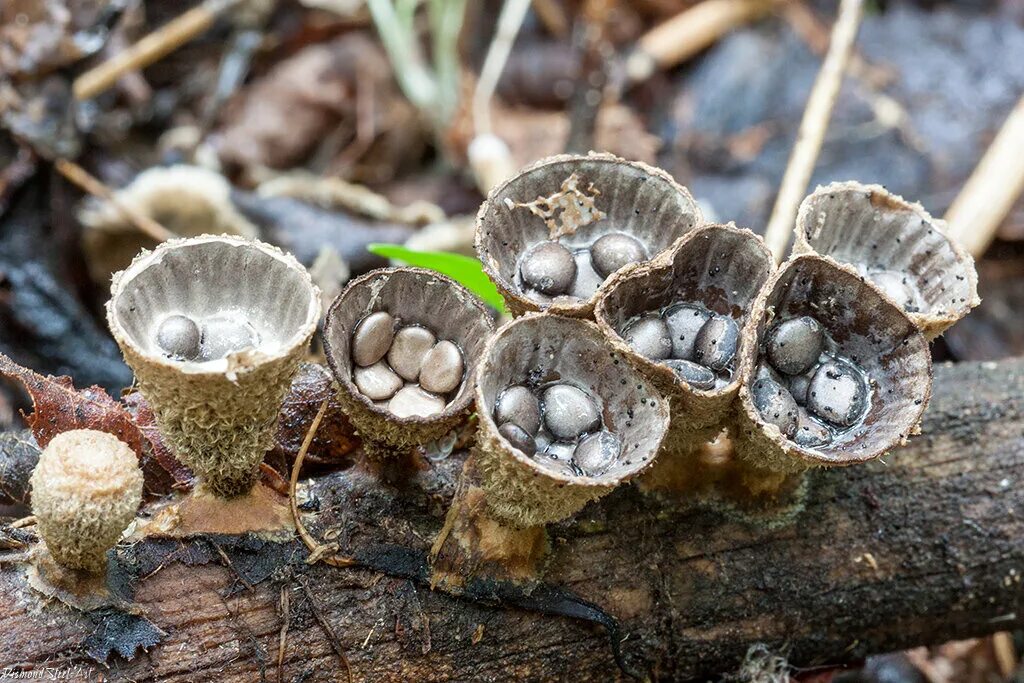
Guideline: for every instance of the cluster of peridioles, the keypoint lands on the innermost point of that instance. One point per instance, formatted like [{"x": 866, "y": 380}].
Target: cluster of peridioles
[{"x": 684, "y": 329}]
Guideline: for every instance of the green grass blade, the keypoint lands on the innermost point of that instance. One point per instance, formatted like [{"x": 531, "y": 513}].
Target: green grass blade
[{"x": 465, "y": 270}]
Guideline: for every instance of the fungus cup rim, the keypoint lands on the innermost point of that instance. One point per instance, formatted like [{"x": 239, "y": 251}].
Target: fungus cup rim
[
  {"x": 583, "y": 308},
  {"x": 812, "y": 456},
  {"x": 343, "y": 376},
  {"x": 665, "y": 262},
  {"x": 587, "y": 328},
  {"x": 930, "y": 322},
  {"x": 235, "y": 363}
]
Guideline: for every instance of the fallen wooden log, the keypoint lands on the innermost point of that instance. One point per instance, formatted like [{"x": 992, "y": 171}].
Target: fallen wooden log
[{"x": 922, "y": 548}]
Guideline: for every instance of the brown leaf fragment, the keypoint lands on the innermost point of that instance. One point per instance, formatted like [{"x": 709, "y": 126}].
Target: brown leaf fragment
[
  {"x": 59, "y": 407},
  {"x": 335, "y": 438},
  {"x": 325, "y": 100}
]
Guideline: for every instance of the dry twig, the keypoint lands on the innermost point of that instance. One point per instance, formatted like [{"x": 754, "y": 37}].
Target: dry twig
[
  {"x": 150, "y": 48},
  {"x": 591, "y": 44},
  {"x": 326, "y": 626},
  {"x": 888, "y": 112},
  {"x": 396, "y": 34},
  {"x": 23, "y": 522},
  {"x": 813, "y": 126},
  {"x": 94, "y": 186},
  {"x": 489, "y": 156},
  {"x": 283, "y": 636},
  {"x": 317, "y": 551},
  {"x": 1005, "y": 653},
  {"x": 231, "y": 565},
  {"x": 678, "y": 39},
  {"x": 552, "y": 14},
  {"x": 509, "y": 21},
  {"x": 996, "y": 183}
]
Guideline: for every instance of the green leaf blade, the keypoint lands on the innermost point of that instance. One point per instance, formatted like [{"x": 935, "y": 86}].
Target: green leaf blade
[{"x": 465, "y": 270}]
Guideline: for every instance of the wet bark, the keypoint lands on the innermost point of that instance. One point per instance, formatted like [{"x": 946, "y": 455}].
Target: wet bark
[{"x": 923, "y": 548}]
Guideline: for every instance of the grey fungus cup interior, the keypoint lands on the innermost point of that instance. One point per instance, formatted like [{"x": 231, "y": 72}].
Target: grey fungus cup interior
[
  {"x": 897, "y": 245},
  {"x": 682, "y": 320},
  {"x": 194, "y": 302},
  {"x": 822, "y": 361},
  {"x": 868, "y": 386},
  {"x": 550, "y": 236},
  {"x": 214, "y": 328},
  {"x": 420, "y": 335},
  {"x": 591, "y": 421}
]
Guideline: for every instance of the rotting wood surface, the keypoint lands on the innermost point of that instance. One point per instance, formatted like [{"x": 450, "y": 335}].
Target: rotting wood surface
[{"x": 926, "y": 547}]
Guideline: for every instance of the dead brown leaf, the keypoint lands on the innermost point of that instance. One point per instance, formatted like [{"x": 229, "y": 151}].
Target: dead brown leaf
[
  {"x": 59, "y": 407},
  {"x": 157, "y": 448},
  {"x": 335, "y": 437},
  {"x": 327, "y": 101},
  {"x": 532, "y": 134}
]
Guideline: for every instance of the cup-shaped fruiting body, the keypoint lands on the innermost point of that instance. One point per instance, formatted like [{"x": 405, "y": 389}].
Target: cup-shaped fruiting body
[
  {"x": 681, "y": 320},
  {"x": 187, "y": 200},
  {"x": 86, "y": 489},
  {"x": 552, "y": 234},
  {"x": 897, "y": 245},
  {"x": 214, "y": 328},
  {"x": 404, "y": 345},
  {"x": 564, "y": 419},
  {"x": 837, "y": 374}
]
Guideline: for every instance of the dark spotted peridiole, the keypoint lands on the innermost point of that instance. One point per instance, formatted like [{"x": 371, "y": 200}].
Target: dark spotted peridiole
[
  {"x": 794, "y": 345},
  {"x": 694, "y": 374},
  {"x": 716, "y": 343},
  {"x": 553, "y": 421},
  {"x": 808, "y": 372},
  {"x": 775, "y": 405},
  {"x": 649, "y": 336},
  {"x": 596, "y": 452},
  {"x": 684, "y": 322},
  {"x": 846, "y": 358},
  {"x": 700, "y": 294},
  {"x": 696, "y": 344},
  {"x": 838, "y": 393}
]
